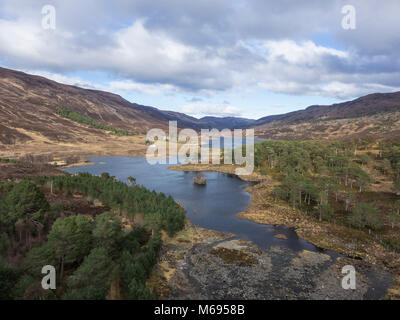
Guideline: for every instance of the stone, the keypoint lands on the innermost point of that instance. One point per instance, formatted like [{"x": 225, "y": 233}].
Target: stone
[{"x": 200, "y": 179}]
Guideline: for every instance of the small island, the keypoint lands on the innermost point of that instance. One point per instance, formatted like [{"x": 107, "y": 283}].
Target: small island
[{"x": 200, "y": 179}]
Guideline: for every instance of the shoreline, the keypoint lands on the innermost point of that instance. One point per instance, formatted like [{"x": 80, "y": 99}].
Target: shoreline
[
  {"x": 80, "y": 164},
  {"x": 328, "y": 236},
  {"x": 264, "y": 210}
]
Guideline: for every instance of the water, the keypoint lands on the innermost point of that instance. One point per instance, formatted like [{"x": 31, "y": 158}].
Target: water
[
  {"x": 234, "y": 143},
  {"x": 213, "y": 206}
]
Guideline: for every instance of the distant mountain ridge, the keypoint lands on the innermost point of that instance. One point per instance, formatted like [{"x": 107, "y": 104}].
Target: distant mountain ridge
[
  {"x": 29, "y": 103},
  {"x": 375, "y": 115}
]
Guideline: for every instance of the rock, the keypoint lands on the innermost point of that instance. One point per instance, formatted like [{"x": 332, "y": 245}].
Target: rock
[
  {"x": 281, "y": 236},
  {"x": 200, "y": 179},
  {"x": 233, "y": 256}
]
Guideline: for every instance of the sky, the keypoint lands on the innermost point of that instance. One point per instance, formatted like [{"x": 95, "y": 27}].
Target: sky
[{"x": 209, "y": 57}]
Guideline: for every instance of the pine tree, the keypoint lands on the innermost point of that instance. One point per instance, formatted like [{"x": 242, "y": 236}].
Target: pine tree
[
  {"x": 107, "y": 233},
  {"x": 93, "y": 278}
]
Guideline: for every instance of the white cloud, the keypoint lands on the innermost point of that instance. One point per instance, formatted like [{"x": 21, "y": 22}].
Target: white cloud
[
  {"x": 307, "y": 69},
  {"x": 343, "y": 90},
  {"x": 135, "y": 53},
  {"x": 199, "y": 110},
  {"x": 19, "y": 40},
  {"x": 150, "y": 89},
  {"x": 304, "y": 53},
  {"x": 284, "y": 67}
]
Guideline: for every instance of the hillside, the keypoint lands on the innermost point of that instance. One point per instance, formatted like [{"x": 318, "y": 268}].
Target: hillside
[
  {"x": 30, "y": 121},
  {"x": 376, "y": 115},
  {"x": 28, "y": 106},
  {"x": 29, "y": 103},
  {"x": 29, "y": 117}
]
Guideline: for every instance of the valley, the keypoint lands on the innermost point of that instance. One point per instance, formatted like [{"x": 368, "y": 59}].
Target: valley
[
  {"x": 32, "y": 124},
  {"x": 324, "y": 194}
]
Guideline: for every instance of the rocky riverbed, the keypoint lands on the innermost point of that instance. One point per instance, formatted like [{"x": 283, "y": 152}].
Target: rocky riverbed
[{"x": 203, "y": 264}]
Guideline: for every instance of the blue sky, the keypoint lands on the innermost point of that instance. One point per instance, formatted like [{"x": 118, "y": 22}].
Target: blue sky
[{"x": 209, "y": 57}]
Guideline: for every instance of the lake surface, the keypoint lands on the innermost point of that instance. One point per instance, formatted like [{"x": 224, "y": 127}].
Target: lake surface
[{"x": 213, "y": 206}]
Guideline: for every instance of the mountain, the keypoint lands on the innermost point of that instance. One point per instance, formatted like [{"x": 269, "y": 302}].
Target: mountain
[
  {"x": 29, "y": 104},
  {"x": 185, "y": 121},
  {"x": 364, "y": 106},
  {"x": 28, "y": 107},
  {"x": 375, "y": 115},
  {"x": 29, "y": 117}
]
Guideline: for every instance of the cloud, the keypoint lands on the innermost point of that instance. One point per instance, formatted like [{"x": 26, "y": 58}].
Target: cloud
[
  {"x": 195, "y": 99},
  {"x": 343, "y": 90},
  {"x": 201, "y": 47},
  {"x": 136, "y": 54},
  {"x": 199, "y": 110},
  {"x": 308, "y": 69}
]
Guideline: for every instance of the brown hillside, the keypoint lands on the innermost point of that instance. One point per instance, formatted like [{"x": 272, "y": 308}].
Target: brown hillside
[
  {"x": 28, "y": 106},
  {"x": 376, "y": 115}
]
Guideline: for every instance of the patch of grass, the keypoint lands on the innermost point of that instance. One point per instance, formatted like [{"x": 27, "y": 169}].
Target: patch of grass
[
  {"x": 6, "y": 160},
  {"x": 231, "y": 256},
  {"x": 74, "y": 116}
]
